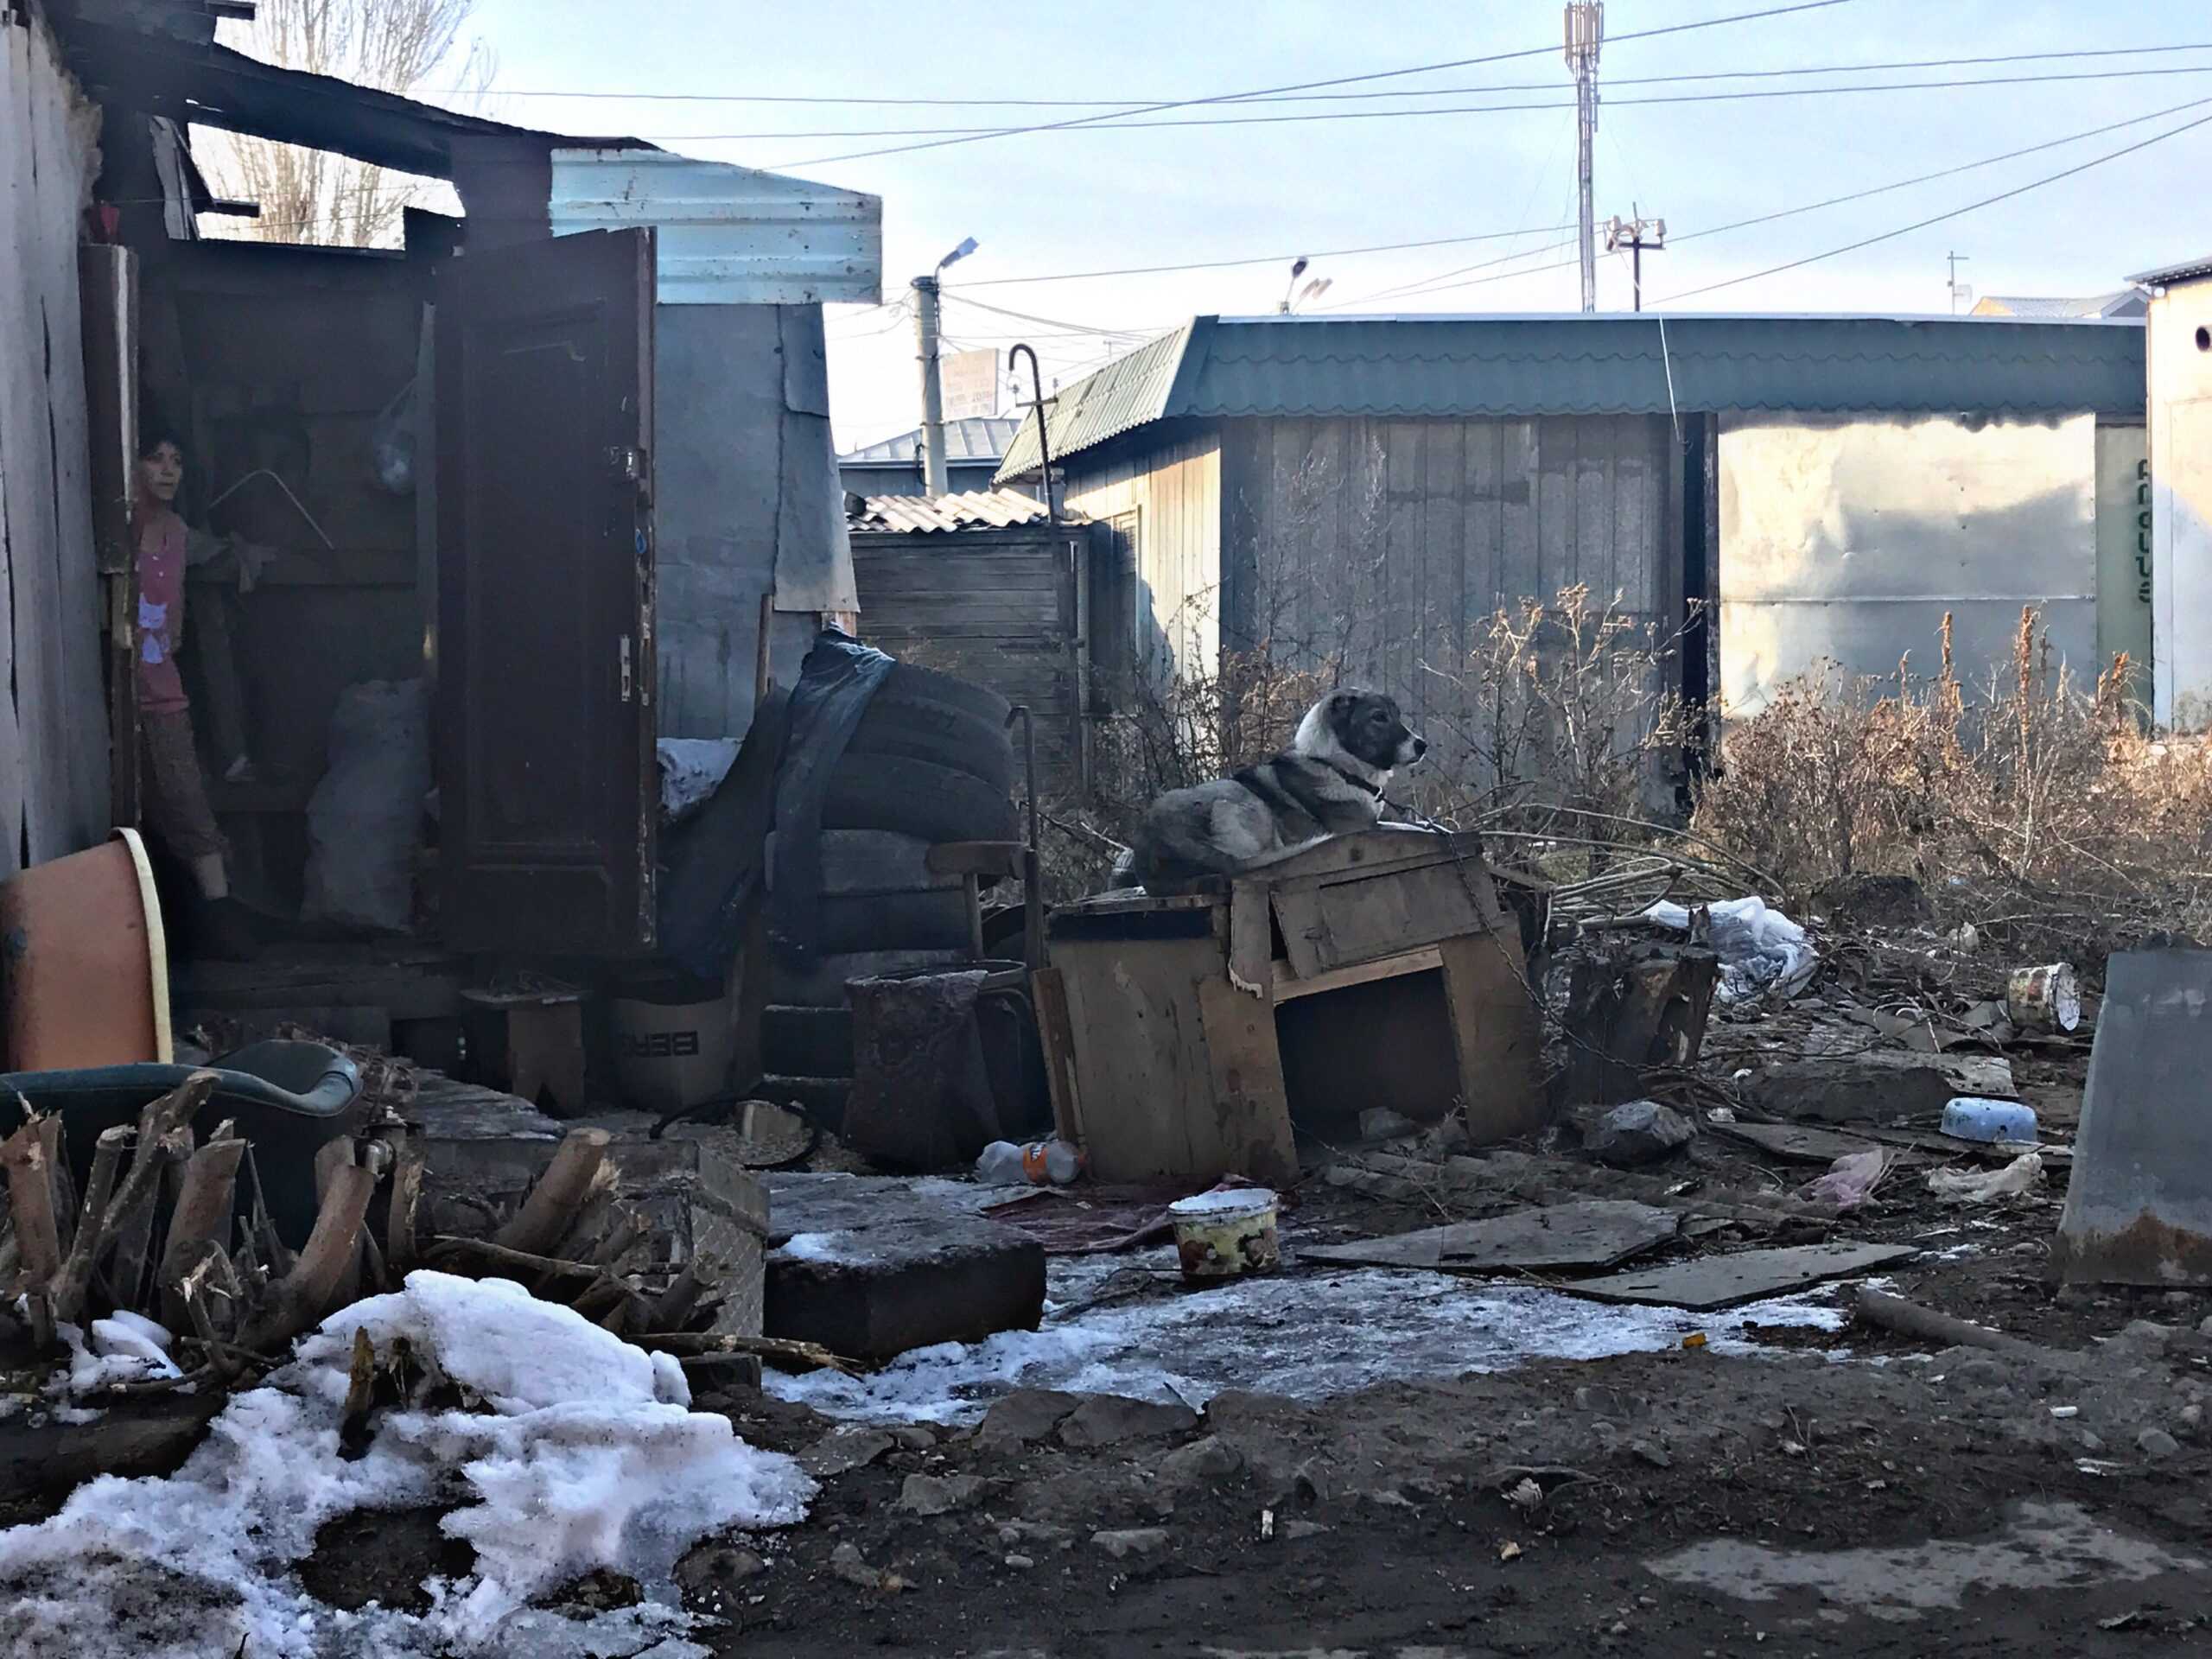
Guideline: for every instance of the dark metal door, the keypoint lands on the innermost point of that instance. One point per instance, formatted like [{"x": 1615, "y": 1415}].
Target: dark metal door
[{"x": 548, "y": 789}]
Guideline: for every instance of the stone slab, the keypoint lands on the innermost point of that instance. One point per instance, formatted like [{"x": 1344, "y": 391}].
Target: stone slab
[
  {"x": 1850, "y": 1083},
  {"x": 881, "y": 1266},
  {"x": 1746, "y": 1276},
  {"x": 2138, "y": 1197},
  {"x": 1596, "y": 1234}
]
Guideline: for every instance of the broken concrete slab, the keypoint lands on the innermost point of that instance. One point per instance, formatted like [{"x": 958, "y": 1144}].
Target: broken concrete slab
[
  {"x": 1024, "y": 1415},
  {"x": 1131, "y": 1541},
  {"x": 1111, "y": 1419},
  {"x": 1746, "y": 1276},
  {"x": 2138, "y": 1200},
  {"x": 1796, "y": 1143},
  {"x": 1202, "y": 1463},
  {"x": 934, "y": 1495},
  {"x": 1596, "y": 1234},
  {"x": 871, "y": 1266},
  {"x": 1840, "y": 1080}
]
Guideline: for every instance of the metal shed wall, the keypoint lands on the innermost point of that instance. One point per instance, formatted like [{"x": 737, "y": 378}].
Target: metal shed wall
[
  {"x": 53, "y": 745},
  {"x": 1846, "y": 539},
  {"x": 997, "y": 607},
  {"x": 1160, "y": 503},
  {"x": 1386, "y": 545}
]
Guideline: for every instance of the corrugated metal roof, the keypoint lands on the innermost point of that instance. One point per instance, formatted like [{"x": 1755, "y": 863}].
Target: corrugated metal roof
[
  {"x": 1125, "y": 393},
  {"x": 1518, "y": 367},
  {"x": 2189, "y": 271},
  {"x": 971, "y": 509},
  {"x": 973, "y": 438},
  {"x": 726, "y": 235},
  {"x": 2122, "y": 302}
]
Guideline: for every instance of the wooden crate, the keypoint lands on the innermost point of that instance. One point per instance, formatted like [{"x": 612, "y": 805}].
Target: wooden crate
[{"x": 1161, "y": 1015}]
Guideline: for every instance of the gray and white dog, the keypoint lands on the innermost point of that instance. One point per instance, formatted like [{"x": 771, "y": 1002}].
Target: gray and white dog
[{"x": 1329, "y": 781}]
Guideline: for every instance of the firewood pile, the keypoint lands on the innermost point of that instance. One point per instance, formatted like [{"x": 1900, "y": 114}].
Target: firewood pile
[{"x": 156, "y": 1227}]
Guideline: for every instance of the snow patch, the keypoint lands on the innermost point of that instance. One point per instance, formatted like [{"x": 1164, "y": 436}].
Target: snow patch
[
  {"x": 1305, "y": 1336},
  {"x": 579, "y": 1463}
]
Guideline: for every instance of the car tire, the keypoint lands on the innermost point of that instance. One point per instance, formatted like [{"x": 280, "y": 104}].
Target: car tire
[
  {"x": 915, "y": 797},
  {"x": 894, "y": 921},
  {"x": 938, "y": 732}
]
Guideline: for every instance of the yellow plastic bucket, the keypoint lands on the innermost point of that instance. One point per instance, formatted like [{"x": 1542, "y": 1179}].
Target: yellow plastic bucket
[{"x": 1222, "y": 1234}]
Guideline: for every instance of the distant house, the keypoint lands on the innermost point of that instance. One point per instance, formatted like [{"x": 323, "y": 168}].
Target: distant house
[
  {"x": 973, "y": 449},
  {"x": 1785, "y": 490},
  {"x": 989, "y": 586},
  {"x": 2121, "y": 302},
  {"x": 2176, "y": 489}
]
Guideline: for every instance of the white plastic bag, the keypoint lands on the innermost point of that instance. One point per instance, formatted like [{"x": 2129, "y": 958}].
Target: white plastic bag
[
  {"x": 363, "y": 815},
  {"x": 1760, "y": 950}
]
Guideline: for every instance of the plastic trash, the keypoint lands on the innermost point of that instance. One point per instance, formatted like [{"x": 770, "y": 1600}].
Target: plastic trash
[
  {"x": 1040, "y": 1163},
  {"x": 1850, "y": 1181},
  {"x": 1970, "y": 1117},
  {"x": 1761, "y": 950},
  {"x": 2022, "y": 1174}
]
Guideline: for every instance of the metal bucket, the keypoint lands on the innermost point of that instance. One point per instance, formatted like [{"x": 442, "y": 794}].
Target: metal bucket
[
  {"x": 2046, "y": 998},
  {"x": 1222, "y": 1234}
]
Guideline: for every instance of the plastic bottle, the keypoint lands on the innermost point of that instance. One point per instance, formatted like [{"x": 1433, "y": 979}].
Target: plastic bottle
[{"x": 1005, "y": 1164}]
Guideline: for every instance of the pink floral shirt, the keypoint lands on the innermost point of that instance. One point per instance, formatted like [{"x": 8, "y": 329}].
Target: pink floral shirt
[{"x": 161, "y": 611}]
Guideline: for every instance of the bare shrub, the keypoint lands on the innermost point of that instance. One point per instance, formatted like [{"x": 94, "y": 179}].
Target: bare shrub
[{"x": 2036, "y": 798}]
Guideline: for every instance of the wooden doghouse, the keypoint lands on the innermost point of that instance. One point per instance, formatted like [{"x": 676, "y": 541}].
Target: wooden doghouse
[{"x": 1187, "y": 1035}]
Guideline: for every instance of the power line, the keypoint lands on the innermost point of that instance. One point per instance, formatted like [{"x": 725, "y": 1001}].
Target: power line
[
  {"x": 1938, "y": 218},
  {"x": 1110, "y": 123},
  {"x": 1314, "y": 85},
  {"x": 1260, "y": 259},
  {"x": 1049, "y": 322},
  {"x": 1439, "y": 283},
  {"x": 1133, "y": 102}
]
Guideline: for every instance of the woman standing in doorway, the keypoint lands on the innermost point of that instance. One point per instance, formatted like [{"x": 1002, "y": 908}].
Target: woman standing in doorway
[{"x": 174, "y": 793}]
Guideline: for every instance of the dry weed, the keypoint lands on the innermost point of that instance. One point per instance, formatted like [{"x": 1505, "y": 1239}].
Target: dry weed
[{"x": 2035, "y": 801}]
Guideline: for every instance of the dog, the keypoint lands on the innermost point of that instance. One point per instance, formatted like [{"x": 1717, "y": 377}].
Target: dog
[{"x": 1329, "y": 781}]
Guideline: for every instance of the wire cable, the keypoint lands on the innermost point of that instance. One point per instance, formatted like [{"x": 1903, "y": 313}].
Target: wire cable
[
  {"x": 1938, "y": 218},
  {"x": 1133, "y": 102},
  {"x": 1315, "y": 86},
  {"x": 1110, "y": 124}
]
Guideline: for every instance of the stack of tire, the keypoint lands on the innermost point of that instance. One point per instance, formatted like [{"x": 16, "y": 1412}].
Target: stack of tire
[{"x": 930, "y": 762}]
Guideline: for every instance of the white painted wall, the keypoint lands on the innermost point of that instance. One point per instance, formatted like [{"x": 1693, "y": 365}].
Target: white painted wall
[
  {"x": 53, "y": 764},
  {"x": 1845, "y": 538},
  {"x": 2181, "y": 503}
]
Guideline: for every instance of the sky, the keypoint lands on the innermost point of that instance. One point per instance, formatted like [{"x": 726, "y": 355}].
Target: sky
[{"x": 1106, "y": 197}]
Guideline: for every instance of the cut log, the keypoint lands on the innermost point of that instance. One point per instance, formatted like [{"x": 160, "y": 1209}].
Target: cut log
[
  {"x": 94, "y": 1229},
  {"x": 560, "y": 1192},
  {"x": 1911, "y": 1319},
  {"x": 399, "y": 1249},
  {"x": 28, "y": 1156},
  {"x": 301, "y": 1298},
  {"x": 205, "y": 1203}
]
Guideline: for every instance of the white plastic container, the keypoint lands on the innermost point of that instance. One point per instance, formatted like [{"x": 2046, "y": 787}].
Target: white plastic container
[
  {"x": 1223, "y": 1234},
  {"x": 1970, "y": 1117}
]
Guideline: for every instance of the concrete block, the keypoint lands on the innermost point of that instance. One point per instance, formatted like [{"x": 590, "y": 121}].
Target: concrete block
[{"x": 871, "y": 1266}]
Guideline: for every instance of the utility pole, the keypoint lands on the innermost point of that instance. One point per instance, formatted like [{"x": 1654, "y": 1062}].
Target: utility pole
[
  {"x": 935, "y": 479},
  {"x": 1586, "y": 33},
  {"x": 1958, "y": 291},
  {"x": 1635, "y": 235}
]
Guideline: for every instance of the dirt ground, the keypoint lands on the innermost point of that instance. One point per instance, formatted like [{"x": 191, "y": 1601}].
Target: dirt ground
[{"x": 1687, "y": 1502}]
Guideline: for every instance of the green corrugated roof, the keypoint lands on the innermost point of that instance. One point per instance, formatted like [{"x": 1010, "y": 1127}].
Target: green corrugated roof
[{"x": 1225, "y": 367}]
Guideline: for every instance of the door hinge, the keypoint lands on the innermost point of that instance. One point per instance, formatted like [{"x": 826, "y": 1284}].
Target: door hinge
[
  {"x": 628, "y": 462},
  {"x": 627, "y": 675}
]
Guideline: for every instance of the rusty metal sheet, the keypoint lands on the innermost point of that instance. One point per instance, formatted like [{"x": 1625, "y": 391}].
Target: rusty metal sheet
[
  {"x": 2138, "y": 1202},
  {"x": 1746, "y": 1276},
  {"x": 1597, "y": 1233}
]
